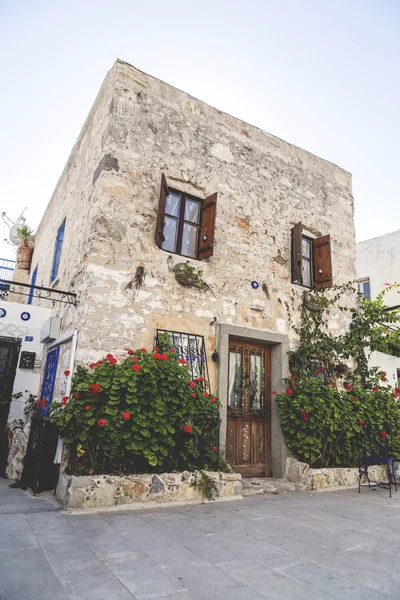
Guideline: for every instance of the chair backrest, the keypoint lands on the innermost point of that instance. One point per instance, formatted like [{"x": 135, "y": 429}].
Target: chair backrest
[{"x": 377, "y": 439}]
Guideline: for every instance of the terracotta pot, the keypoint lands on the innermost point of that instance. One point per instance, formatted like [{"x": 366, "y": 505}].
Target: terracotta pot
[{"x": 25, "y": 258}]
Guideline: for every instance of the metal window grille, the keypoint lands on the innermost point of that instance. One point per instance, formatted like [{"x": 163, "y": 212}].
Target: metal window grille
[
  {"x": 33, "y": 282},
  {"x": 57, "y": 251},
  {"x": 190, "y": 347}
]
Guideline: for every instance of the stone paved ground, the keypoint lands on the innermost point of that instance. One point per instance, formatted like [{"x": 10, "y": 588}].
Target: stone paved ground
[{"x": 298, "y": 546}]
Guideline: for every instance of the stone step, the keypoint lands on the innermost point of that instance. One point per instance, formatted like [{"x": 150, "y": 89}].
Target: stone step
[{"x": 266, "y": 485}]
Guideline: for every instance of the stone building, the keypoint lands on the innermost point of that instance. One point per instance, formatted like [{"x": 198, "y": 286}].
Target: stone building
[
  {"x": 158, "y": 184},
  {"x": 377, "y": 264}
]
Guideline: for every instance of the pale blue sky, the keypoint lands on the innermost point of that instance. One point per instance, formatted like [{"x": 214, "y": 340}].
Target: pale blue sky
[{"x": 323, "y": 75}]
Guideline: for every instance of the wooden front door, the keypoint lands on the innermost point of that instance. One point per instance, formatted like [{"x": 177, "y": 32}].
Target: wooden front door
[{"x": 249, "y": 407}]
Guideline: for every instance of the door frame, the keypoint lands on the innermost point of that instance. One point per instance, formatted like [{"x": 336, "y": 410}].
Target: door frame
[
  {"x": 15, "y": 349},
  {"x": 279, "y": 344},
  {"x": 255, "y": 470}
]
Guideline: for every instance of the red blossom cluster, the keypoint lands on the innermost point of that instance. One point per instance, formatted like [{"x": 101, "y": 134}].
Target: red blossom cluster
[
  {"x": 126, "y": 416},
  {"x": 101, "y": 422},
  {"x": 187, "y": 429},
  {"x": 289, "y": 391},
  {"x": 192, "y": 384},
  {"x": 41, "y": 403},
  {"x": 304, "y": 415},
  {"x": 355, "y": 399},
  {"x": 159, "y": 356},
  {"x": 136, "y": 367},
  {"x": 375, "y": 389},
  {"x": 111, "y": 359},
  {"x": 64, "y": 400},
  {"x": 182, "y": 361},
  {"x": 361, "y": 422},
  {"x": 348, "y": 387},
  {"x": 77, "y": 395},
  {"x": 94, "y": 389},
  {"x": 383, "y": 434},
  {"x": 87, "y": 407},
  {"x": 213, "y": 399}
]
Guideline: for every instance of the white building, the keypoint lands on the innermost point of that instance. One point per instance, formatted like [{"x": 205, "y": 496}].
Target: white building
[{"x": 377, "y": 264}]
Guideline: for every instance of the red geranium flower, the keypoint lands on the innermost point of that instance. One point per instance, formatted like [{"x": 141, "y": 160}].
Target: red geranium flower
[
  {"x": 383, "y": 434},
  {"x": 164, "y": 356},
  {"x": 188, "y": 428},
  {"x": 41, "y": 403},
  {"x": 136, "y": 367},
  {"x": 375, "y": 389},
  {"x": 134, "y": 358},
  {"x": 293, "y": 377},
  {"x": 130, "y": 352},
  {"x": 397, "y": 390},
  {"x": 64, "y": 400},
  {"x": 143, "y": 349},
  {"x": 332, "y": 383},
  {"x": 87, "y": 407},
  {"x": 201, "y": 378},
  {"x": 92, "y": 365},
  {"x": 293, "y": 385},
  {"x": 348, "y": 386},
  {"x": 77, "y": 395},
  {"x": 304, "y": 415},
  {"x": 108, "y": 356},
  {"x": 101, "y": 422},
  {"x": 66, "y": 373},
  {"x": 194, "y": 395},
  {"x": 94, "y": 388},
  {"x": 172, "y": 349},
  {"x": 213, "y": 399},
  {"x": 214, "y": 449},
  {"x": 112, "y": 360},
  {"x": 192, "y": 384},
  {"x": 157, "y": 356},
  {"x": 318, "y": 372},
  {"x": 323, "y": 369},
  {"x": 361, "y": 422},
  {"x": 274, "y": 392},
  {"x": 383, "y": 378},
  {"x": 289, "y": 391},
  {"x": 355, "y": 399},
  {"x": 394, "y": 395},
  {"x": 206, "y": 394},
  {"x": 156, "y": 349},
  {"x": 99, "y": 362},
  {"x": 126, "y": 416},
  {"x": 182, "y": 361}
]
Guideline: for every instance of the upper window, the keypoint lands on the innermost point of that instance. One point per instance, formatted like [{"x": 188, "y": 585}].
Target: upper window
[
  {"x": 57, "y": 251},
  {"x": 311, "y": 259},
  {"x": 185, "y": 224},
  {"x": 364, "y": 286}
]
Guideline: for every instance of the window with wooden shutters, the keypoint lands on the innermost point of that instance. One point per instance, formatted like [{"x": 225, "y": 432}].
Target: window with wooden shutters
[
  {"x": 185, "y": 224},
  {"x": 311, "y": 259}
]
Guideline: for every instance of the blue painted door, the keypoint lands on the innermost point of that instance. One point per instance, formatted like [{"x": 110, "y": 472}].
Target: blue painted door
[
  {"x": 33, "y": 282},
  {"x": 49, "y": 379}
]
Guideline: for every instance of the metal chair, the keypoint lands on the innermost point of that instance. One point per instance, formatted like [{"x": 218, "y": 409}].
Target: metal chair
[{"x": 377, "y": 451}]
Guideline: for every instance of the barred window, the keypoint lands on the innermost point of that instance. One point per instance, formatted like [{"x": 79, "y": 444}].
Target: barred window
[{"x": 190, "y": 347}]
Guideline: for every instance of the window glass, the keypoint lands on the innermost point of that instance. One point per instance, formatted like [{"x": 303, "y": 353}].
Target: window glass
[
  {"x": 170, "y": 233},
  {"x": 235, "y": 380},
  {"x": 189, "y": 240},
  {"x": 173, "y": 205},
  {"x": 306, "y": 248},
  {"x": 307, "y": 273},
  {"x": 367, "y": 289},
  {"x": 192, "y": 211},
  {"x": 255, "y": 381}
]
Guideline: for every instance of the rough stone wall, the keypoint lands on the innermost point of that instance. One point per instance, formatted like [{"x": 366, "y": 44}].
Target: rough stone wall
[
  {"x": 264, "y": 185},
  {"x": 138, "y": 128}
]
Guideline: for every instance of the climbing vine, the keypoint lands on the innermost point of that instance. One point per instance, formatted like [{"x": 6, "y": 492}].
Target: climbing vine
[{"x": 333, "y": 392}]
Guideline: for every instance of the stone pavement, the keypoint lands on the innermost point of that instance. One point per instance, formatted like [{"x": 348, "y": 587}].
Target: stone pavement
[{"x": 300, "y": 546}]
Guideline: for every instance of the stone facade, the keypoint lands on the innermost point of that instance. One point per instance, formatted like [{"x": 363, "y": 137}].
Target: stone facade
[
  {"x": 139, "y": 128},
  {"x": 110, "y": 490}
]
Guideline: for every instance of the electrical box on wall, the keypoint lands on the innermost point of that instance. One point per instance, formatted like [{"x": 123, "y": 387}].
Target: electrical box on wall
[{"x": 50, "y": 330}]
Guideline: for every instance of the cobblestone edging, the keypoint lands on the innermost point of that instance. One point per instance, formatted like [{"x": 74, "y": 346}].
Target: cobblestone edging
[
  {"x": 112, "y": 490},
  {"x": 319, "y": 479}
]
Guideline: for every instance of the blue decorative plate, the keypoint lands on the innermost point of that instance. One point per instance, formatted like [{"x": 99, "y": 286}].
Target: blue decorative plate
[
  {"x": 254, "y": 284},
  {"x": 25, "y": 316}
]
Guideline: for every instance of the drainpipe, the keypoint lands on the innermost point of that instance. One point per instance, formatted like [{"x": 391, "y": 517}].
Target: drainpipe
[{"x": 60, "y": 444}]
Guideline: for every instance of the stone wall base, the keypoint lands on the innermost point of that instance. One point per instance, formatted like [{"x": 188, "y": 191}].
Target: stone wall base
[
  {"x": 99, "y": 491},
  {"x": 320, "y": 479}
]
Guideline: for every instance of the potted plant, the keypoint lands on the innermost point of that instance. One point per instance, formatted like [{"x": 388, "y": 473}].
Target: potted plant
[{"x": 25, "y": 247}]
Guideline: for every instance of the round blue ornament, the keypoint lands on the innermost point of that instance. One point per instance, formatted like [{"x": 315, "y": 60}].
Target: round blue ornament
[
  {"x": 254, "y": 284},
  {"x": 25, "y": 316}
]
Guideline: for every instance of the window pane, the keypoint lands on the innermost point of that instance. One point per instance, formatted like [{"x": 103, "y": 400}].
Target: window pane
[
  {"x": 173, "y": 204},
  {"x": 192, "y": 211},
  {"x": 307, "y": 278},
  {"x": 256, "y": 373},
  {"x": 170, "y": 231},
  {"x": 235, "y": 380},
  {"x": 306, "y": 248},
  {"x": 189, "y": 240},
  {"x": 367, "y": 289}
]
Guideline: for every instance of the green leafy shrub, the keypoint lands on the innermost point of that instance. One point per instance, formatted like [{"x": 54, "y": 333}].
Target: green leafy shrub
[
  {"x": 143, "y": 414},
  {"x": 334, "y": 392}
]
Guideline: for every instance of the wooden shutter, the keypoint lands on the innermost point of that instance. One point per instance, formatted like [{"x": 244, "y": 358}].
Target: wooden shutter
[
  {"x": 297, "y": 254},
  {"x": 207, "y": 228},
  {"x": 322, "y": 261},
  {"x": 164, "y": 192}
]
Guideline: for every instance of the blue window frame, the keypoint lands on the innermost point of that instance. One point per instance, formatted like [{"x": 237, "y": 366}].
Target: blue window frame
[
  {"x": 49, "y": 379},
  {"x": 57, "y": 251},
  {"x": 33, "y": 282}
]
